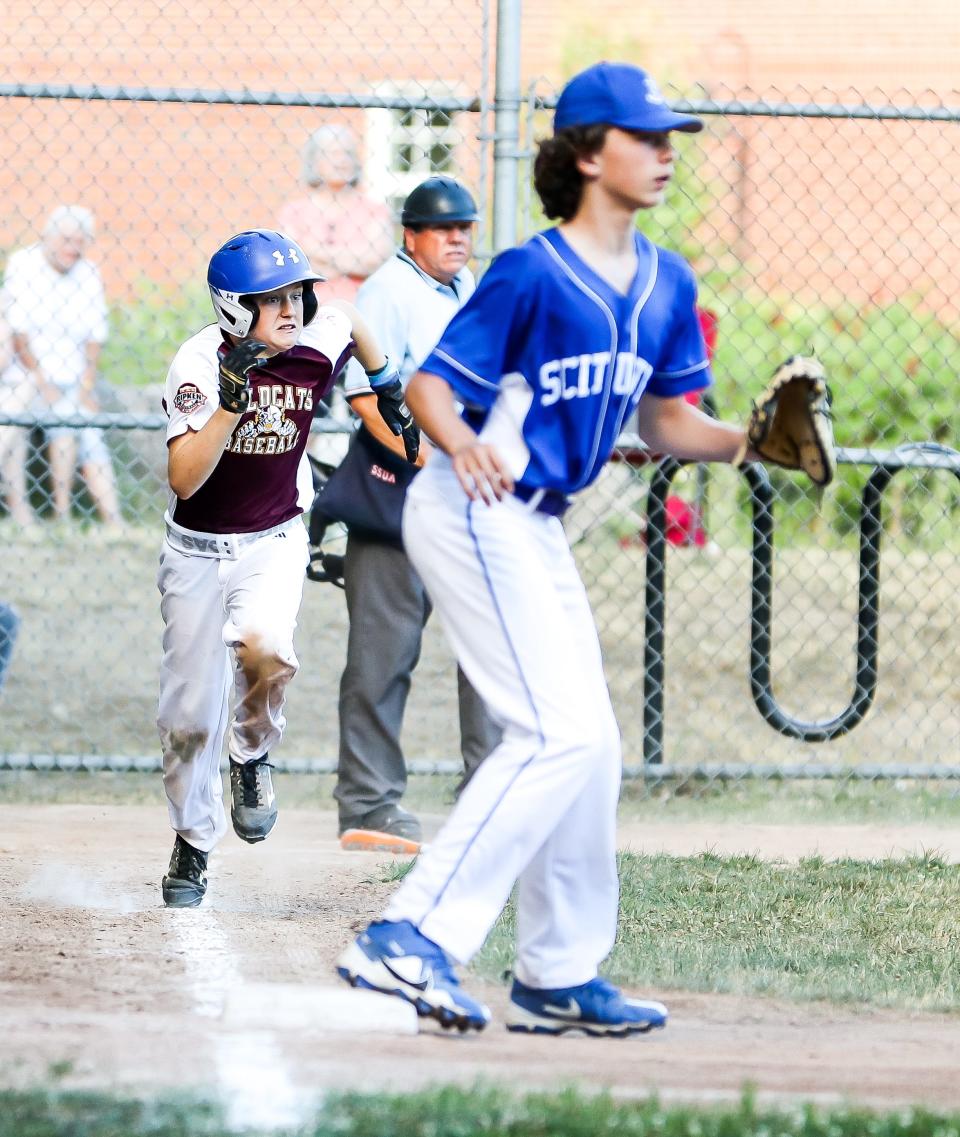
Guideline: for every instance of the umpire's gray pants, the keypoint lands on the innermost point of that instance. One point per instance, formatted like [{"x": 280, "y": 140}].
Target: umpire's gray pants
[{"x": 388, "y": 608}]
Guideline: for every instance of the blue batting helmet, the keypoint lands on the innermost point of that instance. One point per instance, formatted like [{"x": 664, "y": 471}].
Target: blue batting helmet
[{"x": 251, "y": 264}]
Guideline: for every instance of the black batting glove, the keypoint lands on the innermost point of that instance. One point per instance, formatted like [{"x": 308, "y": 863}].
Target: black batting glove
[
  {"x": 393, "y": 410},
  {"x": 396, "y": 414},
  {"x": 234, "y": 384}
]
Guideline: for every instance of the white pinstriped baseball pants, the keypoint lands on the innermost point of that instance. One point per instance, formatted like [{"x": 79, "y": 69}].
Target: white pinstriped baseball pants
[{"x": 541, "y": 810}]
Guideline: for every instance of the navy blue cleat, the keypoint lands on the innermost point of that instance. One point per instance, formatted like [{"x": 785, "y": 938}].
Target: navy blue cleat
[
  {"x": 596, "y": 1008},
  {"x": 394, "y": 958}
]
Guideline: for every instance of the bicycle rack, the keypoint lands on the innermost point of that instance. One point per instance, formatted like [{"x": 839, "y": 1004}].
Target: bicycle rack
[{"x": 886, "y": 463}]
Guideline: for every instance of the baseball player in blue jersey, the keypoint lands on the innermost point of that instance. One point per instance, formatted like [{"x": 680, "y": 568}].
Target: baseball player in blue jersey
[
  {"x": 584, "y": 328},
  {"x": 240, "y": 396}
]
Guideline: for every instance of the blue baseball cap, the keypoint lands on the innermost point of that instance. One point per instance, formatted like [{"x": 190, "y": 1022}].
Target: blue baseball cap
[{"x": 618, "y": 94}]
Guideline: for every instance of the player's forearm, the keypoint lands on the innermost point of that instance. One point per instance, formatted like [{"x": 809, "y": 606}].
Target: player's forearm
[
  {"x": 192, "y": 457},
  {"x": 365, "y": 408},
  {"x": 674, "y": 426},
  {"x": 23, "y": 351},
  {"x": 431, "y": 403},
  {"x": 6, "y": 344}
]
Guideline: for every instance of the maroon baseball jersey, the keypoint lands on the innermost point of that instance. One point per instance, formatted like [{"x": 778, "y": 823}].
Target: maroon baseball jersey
[{"x": 263, "y": 478}]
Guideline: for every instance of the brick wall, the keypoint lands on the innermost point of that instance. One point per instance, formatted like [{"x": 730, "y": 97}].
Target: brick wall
[
  {"x": 169, "y": 183},
  {"x": 867, "y": 209}
]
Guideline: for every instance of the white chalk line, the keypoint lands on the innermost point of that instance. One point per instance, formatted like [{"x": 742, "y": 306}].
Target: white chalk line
[{"x": 252, "y": 1077}]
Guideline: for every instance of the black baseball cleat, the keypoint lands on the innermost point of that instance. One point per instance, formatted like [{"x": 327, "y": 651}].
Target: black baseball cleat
[
  {"x": 185, "y": 884},
  {"x": 253, "y": 808}
]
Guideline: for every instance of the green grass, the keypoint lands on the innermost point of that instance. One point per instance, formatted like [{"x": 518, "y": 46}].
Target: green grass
[
  {"x": 794, "y": 802},
  {"x": 465, "y": 1112},
  {"x": 883, "y": 933},
  {"x": 769, "y": 801},
  {"x": 880, "y": 933}
]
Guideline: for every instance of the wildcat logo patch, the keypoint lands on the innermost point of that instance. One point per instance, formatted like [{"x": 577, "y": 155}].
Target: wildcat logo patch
[
  {"x": 188, "y": 399},
  {"x": 268, "y": 432}
]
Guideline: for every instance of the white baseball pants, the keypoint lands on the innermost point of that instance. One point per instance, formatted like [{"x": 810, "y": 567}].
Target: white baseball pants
[
  {"x": 541, "y": 810},
  {"x": 228, "y": 623}
]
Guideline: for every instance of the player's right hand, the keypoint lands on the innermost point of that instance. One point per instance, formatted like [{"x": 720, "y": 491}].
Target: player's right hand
[
  {"x": 234, "y": 366},
  {"x": 481, "y": 472}
]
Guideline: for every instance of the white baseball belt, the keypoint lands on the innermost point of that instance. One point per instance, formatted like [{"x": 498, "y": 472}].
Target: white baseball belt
[{"x": 223, "y": 546}]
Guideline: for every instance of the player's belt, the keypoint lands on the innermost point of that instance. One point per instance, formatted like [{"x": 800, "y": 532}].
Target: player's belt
[
  {"x": 225, "y": 546},
  {"x": 551, "y": 502}
]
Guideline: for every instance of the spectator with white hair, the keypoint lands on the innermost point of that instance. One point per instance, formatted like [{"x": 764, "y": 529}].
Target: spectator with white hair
[{"x": 54, "y": 302}]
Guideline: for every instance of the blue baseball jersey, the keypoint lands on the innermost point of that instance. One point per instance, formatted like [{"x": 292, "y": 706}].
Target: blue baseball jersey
[{"x": 550, "y": 361}]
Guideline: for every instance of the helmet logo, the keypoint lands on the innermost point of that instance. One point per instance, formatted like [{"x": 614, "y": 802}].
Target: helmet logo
[{"x": 291, "y": 253}]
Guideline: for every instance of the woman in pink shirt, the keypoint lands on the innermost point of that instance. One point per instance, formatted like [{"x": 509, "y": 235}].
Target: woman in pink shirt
[{"x": 345, "y": 233}]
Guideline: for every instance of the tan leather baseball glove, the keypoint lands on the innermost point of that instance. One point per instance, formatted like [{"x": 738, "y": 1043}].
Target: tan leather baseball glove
[{"x": 791, "y": 424}]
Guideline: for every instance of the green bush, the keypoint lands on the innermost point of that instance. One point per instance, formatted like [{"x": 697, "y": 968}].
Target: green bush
[
  {"x": 146, "y": 331},
  {"x": 892, "y": 372}
]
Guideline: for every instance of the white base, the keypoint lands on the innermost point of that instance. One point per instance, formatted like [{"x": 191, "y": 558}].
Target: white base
[{"x": 326, "y": 1010}]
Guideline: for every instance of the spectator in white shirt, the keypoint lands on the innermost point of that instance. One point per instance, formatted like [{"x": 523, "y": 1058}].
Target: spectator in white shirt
[{"x": 54, "y": 301}]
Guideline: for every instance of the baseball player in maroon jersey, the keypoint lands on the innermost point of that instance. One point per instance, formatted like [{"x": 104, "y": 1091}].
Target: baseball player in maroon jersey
[{"x": 240, "y": 396}]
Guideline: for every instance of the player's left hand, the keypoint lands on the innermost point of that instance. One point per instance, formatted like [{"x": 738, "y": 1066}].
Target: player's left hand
[
  {"x": 396, "y": 414},
  {"x": 482, "y": 472},
  {"x": 790, "y": 424}
]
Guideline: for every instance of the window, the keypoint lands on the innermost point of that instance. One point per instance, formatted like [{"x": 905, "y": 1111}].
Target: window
[
  {"x": 423, "y": 143},
  {"x": 405, "y": 146}
]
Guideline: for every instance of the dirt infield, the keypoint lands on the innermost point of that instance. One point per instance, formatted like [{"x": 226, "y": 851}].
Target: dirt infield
[{"x": 102, "y": 985}]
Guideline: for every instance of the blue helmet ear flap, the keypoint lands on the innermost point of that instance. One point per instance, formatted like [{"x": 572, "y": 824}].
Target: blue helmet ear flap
[{"x": 310, "y": 302}]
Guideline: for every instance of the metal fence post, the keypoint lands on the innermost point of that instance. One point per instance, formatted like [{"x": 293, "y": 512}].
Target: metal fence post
[{"x": 506, "y": 131}]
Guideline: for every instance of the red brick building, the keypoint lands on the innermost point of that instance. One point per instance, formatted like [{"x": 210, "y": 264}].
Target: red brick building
[{"x": 870, "y": 209}]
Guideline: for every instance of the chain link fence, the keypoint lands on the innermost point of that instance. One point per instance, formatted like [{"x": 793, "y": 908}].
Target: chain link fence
[
  {"x": 750, "y": 625},
  {"x": 788, "y": 632}
]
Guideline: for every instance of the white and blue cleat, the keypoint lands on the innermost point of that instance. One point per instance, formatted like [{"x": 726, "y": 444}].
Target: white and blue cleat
[
  {"x": 392, "y": 957},
  {"x": 595, "y": 1008}
]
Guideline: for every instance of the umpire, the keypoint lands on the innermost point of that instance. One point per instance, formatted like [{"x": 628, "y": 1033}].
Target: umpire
[{"x": 409, "y": 300}]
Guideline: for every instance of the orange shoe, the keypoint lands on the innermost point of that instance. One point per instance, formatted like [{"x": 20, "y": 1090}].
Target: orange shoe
[
  {"x": 388, "y": 829},
  {"x": 376, "y": 841}
]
